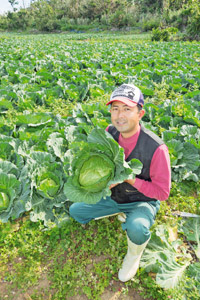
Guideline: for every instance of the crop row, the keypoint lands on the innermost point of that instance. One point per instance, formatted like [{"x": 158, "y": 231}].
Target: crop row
[{"x": 35, "y": 71}]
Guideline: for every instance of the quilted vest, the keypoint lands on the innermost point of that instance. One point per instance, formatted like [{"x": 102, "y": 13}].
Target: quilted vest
[{"x": 144, "y": 150}]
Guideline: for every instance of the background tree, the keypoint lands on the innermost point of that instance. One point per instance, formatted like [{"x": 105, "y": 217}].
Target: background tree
[
  {"x": 49, "y": 15},
  {"x": 13, "y": 3}
]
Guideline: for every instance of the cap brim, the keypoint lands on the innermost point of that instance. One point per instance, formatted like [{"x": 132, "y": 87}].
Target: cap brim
[{"x": 123, "y": 100}]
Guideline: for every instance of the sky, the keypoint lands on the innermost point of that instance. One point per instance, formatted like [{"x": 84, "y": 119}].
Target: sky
[{"x": 5, "y": 5}]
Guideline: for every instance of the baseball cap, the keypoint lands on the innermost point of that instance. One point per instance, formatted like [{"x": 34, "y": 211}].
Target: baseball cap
[{"x": 128, "y": 94}]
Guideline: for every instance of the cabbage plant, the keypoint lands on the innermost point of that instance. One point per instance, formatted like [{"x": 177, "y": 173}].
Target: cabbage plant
[
  {"x": 14, "y": 181},
  {"x": 14, "y": 192},
  {"x": 47, "y": 181},
  {"x": 98, "y": 164}
]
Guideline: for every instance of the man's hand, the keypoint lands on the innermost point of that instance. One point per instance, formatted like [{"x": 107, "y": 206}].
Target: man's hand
[
  {"x": 113, "y": 185},
  {"x": 130, "y": 181}
]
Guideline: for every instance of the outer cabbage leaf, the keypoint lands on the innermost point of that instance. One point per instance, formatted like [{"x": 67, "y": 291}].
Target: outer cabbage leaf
[
  {"x": 34, "y": 120},
  {"x": 162, "y": 257},
  {"x": 9, "y": 168},
  {"x": 191, "y": 229},
  {"x": 191, "y": 157},
  {"x": 87, "y": 161},
  {"x": 57, "y": 144},
  {"x": 8, "y": 151},
  {"x": 4, "y": 200},
  {"x": 170, "y": 273},
  {"x": 185, "y": 160}
]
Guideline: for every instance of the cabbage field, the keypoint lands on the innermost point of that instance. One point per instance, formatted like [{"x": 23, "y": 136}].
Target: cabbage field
[{"x": 53, "y": 91}]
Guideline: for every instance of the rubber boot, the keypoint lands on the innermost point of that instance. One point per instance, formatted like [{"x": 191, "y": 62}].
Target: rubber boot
[
  {"x": 121, "y": 217},
  {"x": 131, "y": 261}
]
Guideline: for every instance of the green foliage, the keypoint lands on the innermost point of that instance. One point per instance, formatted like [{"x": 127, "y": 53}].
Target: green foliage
[
  {"x": 43, "y": 15},
  {"x": 151, "y": 6},
  {"x": 56, "y": 15},
  {"x": 150, "y": 22},
  {"x": 193, "y": 28},
  {"x": 49, "y": 263},
  {"x": 60, "y": 257},
  {"x": 190, "y": 229},
  {"x": 117, "y": 19},
  {"x": 163, "y": 34}
]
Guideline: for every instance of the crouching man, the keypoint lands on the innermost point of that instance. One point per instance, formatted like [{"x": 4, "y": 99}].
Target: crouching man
[{"x": 137, "y": 201}]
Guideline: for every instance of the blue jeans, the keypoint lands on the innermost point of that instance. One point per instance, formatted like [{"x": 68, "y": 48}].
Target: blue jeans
[{"x": 140, "y": 216}]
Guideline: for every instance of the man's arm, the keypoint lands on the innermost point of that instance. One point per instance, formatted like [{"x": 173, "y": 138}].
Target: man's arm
[{"x": 160, "y": 174}]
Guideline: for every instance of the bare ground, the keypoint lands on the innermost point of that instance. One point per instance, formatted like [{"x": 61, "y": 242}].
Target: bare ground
[{"x": 115, "y": 291}]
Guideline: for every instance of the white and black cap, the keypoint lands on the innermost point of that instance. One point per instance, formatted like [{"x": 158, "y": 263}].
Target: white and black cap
[{"x": 128, "y": 94}]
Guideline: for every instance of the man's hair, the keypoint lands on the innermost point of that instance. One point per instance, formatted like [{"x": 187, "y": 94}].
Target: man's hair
[{"x": 139, "y": 107}]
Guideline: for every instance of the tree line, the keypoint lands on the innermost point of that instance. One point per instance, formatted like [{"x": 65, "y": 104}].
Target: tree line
[{"x": 64, "y": 15}]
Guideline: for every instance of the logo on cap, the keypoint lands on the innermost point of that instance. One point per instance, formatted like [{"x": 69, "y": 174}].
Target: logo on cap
[{"x": 124, "y": 91}]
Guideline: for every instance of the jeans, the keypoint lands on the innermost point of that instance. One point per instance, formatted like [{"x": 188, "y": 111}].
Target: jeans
[{"x": 140, "y": 216}]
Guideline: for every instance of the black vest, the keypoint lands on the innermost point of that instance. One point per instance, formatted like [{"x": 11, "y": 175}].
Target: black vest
[{"x": 146, "y": 145}]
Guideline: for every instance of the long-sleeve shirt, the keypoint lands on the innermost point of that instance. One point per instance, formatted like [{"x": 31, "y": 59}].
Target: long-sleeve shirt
[{"x": 160, "y": 170}]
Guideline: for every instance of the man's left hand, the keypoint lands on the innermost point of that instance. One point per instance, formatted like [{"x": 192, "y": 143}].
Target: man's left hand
[{"x": 130, "y": 181}]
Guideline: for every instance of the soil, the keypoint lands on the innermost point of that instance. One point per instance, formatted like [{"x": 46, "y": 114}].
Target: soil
[{"x": 44, "y": 284}]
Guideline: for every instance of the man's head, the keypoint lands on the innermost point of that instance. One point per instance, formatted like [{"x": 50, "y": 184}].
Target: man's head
[
  {"x": 126, "y": 109},
  {"x": 128, "y": 94}
]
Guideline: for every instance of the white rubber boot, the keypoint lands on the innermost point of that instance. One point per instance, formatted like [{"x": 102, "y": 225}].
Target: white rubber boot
[
  {"x": 121, "y": 217},
  {"x": 131, "y": 261}
]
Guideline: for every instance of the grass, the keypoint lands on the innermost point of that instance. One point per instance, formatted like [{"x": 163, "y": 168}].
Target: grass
[
  {"x": 61, "y": 255},
  {"x": 61, "y": 263}
]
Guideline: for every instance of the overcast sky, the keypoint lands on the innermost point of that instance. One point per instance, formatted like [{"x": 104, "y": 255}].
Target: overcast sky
[{"x": 5, "y": 5}]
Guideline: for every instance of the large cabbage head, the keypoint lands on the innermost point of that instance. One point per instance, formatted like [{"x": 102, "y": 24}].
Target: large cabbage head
[
  {"x": 95, "y": 173},
  {"x": 95, "y": 166}
]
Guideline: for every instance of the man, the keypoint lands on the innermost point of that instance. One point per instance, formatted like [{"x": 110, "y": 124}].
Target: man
[{"x": 137, "y": 200}]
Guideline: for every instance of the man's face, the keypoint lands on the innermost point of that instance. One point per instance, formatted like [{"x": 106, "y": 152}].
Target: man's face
[{"x": 125, "y": 118}]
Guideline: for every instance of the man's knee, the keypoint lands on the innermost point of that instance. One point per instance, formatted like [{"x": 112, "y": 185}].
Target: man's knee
[
  {"x": 73, "y": 210},
  {"x": 76, "y": 213},
  {"x": 138, "y": 232}
]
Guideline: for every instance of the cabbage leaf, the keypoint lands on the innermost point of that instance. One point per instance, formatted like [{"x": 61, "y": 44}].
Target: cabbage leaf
[
  {"x": 190, "y": 228},
  {"x": 98, "y": 164}
]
